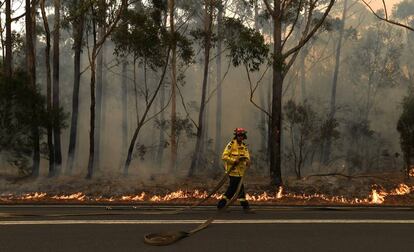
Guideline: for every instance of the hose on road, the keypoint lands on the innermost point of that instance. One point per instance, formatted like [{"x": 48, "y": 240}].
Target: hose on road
[{"x": 170, "y": 237}]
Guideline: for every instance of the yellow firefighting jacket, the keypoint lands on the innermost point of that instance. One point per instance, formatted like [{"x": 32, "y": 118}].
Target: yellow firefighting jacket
[{"x": 233, "y": 152}]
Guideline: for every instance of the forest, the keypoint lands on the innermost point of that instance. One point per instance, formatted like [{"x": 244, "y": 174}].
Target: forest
[{"x": 135, "y": 100}]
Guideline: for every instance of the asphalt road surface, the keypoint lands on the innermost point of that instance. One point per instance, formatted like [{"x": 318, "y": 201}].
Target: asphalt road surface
[{"x": 94, "y": 228}]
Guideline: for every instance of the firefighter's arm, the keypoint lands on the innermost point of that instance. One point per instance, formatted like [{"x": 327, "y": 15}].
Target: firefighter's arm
[
  {"x": 247, "y": 157},
  {"x": 227, "y": 157}
]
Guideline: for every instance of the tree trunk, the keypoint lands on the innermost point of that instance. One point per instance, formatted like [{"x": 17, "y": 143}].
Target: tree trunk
[
  {"x": 275, "y": 121},
  {"x": 161, "y": 145},
  {"x": 327, "y": 151},
  {"x": 92, "y": 118},
  {"x": 124, "y": 112},
  {"x": 173, "y": 140},
  {"x": 219, "y": 106},
  {"x": 31, "y": 74},
  {"x": 8, "y": 68},
  {"x": 207, "y": 45},
  {"x": 104, "y": 104},
  {"x": 204, "y": 142},
  {"x": 144, "y": 116},
  {"x": 303, "y": 74},
  {"x": 78, "y": 27},
  {"x": 48, "y": 91},
  {"x": 56, "y": 102},
  {"x": 99, "y": 88}
]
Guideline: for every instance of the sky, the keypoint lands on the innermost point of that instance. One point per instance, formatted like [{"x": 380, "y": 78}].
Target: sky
[{"x": 377, "y": 4}]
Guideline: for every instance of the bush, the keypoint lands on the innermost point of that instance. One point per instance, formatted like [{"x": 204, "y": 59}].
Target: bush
[
  {"x": 405, "y": 127},
  {"x": 22, "y": 108}
]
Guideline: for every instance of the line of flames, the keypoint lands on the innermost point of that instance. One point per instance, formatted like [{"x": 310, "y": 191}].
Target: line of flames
[{"x": 377, "y": 196}]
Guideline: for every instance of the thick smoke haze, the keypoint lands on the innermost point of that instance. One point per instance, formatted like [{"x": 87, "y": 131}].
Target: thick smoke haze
[{"x": 373, "y": 79}]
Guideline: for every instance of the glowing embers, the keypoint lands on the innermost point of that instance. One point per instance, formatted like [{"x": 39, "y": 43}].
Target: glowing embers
[
  {"x": 402, "y": 189},
  {"x": 33, "y": 196},
  {"x": 180, "y": 194},
  {"x": 411, "y": 171},
  {"x": 76, "y": 196}
]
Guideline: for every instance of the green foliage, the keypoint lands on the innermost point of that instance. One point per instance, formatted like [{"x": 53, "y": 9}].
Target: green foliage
[
  {"x": 301, "y": 116},
  {"x": 199, "y": 35},
  {"x": 377, "y": 58},
  {"x": 405, "y": 127},
  {"x": 246, "y": 46},
  {"x": 292, "y": 8},
  {"x": 141, "y": 25},
  {"x": 133, "y": 34},
  {"x": 21, "y": 108},
  {"x": 307, "y": 130},
  {"x": 183, "y": 126},
  {"x": 363, "y": 145},
  {"x": 404, "y": 9},
  {"x": 329, "y": 129}
]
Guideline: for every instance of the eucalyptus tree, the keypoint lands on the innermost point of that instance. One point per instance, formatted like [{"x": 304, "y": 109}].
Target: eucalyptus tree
[
  {"x": 287, "y": 13},
  {"x": 205, "y": 35},
  {"x": 108, "y": 14},
  {"x": 220, "y": 13},
  {"x": 404, "y": 12},
  {"x": 173, "y": 140},
  {"x": 9, "y": 52},
  {"x": 375, "y": 64},
  {"x": 138, "y": 26},
  {"x": 56, "y": 93},
  {"x": 48, "y": 88},
  {"x": 332, "y": 110},
  {"x": 76, "y": 11},
  {"x": 243, "y": 47},
  {"x": 30, "y": 24}
]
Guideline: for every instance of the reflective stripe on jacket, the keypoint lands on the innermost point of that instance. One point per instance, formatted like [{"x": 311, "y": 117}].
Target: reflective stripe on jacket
[{"x": 233, "y": 152}]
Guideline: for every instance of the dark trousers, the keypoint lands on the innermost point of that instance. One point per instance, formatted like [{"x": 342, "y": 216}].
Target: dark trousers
[
  {"x": 234, "y": 182},
  {"x": 231, "y": 190}
]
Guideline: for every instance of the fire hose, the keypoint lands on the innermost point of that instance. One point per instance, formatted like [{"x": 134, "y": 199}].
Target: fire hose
[
  {"x": 167, "y": 238},
  {"x": 162, "y": 238}
]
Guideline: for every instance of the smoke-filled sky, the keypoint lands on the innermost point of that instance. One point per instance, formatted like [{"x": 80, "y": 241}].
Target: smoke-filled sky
[{"x": 377, "y": 4}]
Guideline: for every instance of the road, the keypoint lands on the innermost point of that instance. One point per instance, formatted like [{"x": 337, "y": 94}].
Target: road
[{"x": 93, "y": 228}]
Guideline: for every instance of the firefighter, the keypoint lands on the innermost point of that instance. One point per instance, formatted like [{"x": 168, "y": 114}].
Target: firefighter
[{"x": 236, "y": 159}]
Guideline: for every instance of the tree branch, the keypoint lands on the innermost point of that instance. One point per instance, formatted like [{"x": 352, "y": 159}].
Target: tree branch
[
  {"x": 306, "y": 38},
  {"x": 293, "y": 25},
  {"x": 386, "y": 15},
  {"x": 252, "y": 93},
  {"x": 269, "y": 9},
  {"x": 185, "y": 108},
  {"x": 348, "y": 176}
]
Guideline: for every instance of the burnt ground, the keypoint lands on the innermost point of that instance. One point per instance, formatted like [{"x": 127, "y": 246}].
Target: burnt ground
[{"x": 322, "y": 189}]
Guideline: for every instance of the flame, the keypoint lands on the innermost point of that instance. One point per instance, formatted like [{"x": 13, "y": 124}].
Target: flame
[
  {"x": 377, "y": 196},
  {"x": 140, "y": 197},
  {"x": 402, "y": 189},
  {"x": 279, "y": 194},
  {"x": 411, "y": 171},
  {"x": 76, "y": 196},
  {"x": 34, "y": 196}
]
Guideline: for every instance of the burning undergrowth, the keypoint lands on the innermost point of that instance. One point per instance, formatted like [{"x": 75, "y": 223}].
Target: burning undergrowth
[{"x": 317, "y": 190}]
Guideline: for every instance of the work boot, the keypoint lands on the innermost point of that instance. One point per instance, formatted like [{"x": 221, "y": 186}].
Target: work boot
[
  {"x": 246, "y": 207},
  {"x": 221, "y": 204}
]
